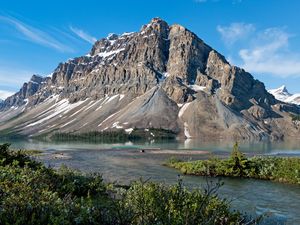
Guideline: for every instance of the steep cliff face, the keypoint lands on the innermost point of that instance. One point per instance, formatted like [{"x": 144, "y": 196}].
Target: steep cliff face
[
  {"x": 28, "y": 89},
  {"x": 162, "y": 76}
]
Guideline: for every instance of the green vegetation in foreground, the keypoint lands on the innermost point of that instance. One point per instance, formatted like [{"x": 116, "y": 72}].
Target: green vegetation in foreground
[
  {"x": 116, "y": 136},
  {"x": 33, "y": 194},
  {"x": 282, "y": 169}
]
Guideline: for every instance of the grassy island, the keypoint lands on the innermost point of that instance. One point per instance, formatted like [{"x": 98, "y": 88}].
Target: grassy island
[
  {"x": 31, "y": 193},
  {"x": 281, "y": 169}
]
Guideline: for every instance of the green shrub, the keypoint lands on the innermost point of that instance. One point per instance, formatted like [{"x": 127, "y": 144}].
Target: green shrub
[
  {"x": 32, "y": 194},
  {"x": 150, "y": 203},
  {"x": 19, "y": 157}
]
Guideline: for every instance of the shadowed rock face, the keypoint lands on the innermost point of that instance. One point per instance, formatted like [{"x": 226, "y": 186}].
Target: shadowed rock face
[
  {"x": 28, "y": 89},
  {"x": 162, "y": 76}
]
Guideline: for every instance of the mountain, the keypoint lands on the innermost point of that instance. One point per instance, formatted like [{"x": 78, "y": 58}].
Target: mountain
[
  {"x": 162, "y": 77},
  {"x": 282, "y": 94}
]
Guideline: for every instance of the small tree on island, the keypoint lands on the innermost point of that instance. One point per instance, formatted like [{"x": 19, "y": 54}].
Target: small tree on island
[{"x": 237, "y": 163}]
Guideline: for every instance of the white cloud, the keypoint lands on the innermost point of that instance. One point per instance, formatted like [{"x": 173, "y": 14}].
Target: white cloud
[
  {"x": 4, "y": 94},
  {"x": 235, "y": 32},
  {"x": 35, "y": 35},
  {"x": 271, "y": 54},
  {"x": 83, "y": 35}
]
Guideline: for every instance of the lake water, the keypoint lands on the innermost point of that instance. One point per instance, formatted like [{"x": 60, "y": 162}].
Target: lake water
[{"x": 124, "y": 162}]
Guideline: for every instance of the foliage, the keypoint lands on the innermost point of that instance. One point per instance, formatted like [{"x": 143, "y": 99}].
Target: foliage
[
  {"x": 150, "y": 203},
  {"x": 116, "y": 135},
  {"x": 295, "y": 117},
  {"x": 152, "y": 133},
  {"x": 282, "y": 169},
  {"x": 30, "y": 193},
  {"x": 105, "y": 136},
  {"x": 19, "y": 158},
  {"x": 237, "y": 163}
]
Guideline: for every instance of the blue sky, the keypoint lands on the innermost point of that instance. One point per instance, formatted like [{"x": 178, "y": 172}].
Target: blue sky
[{"x": 262, "y": 36}]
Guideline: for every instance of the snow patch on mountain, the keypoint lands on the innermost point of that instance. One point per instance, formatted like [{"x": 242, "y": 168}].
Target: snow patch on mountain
[
  {"x": 282, "y": 94},
  {"x": 197, "y": 88},
  {"x": 182, "y": 110}
]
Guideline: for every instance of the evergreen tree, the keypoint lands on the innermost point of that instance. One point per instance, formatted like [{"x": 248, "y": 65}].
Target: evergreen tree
[{"x": 238, "y": 163}]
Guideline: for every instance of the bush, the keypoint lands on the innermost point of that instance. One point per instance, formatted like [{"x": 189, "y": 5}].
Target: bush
[
  {"x": 32, "y": 194},
  {"x": 19, "y": 158},
  {"x": 150, "y": 203}
]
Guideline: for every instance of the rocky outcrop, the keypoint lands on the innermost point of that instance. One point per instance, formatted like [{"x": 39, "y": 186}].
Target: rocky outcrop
[
  {"x": 162, "y": 76},
  {"x": 28, "y": 90}
]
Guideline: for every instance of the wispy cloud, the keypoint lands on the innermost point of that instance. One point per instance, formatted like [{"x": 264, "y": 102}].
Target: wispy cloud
[
  {"x": 271, "y": 54},
  {"x": 4, "y": 94},
  {"x": 235, "y": 32},
  {"x": 35, "y": 35},
  {"x": 261, "y": 51},
  {"x": 83, "y": 35}
]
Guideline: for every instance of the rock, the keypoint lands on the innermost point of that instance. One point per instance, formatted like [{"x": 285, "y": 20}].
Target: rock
[{"x": 162, "y": 76}]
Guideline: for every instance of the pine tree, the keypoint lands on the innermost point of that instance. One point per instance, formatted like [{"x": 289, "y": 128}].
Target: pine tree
[{"x": 238, "y": 163}]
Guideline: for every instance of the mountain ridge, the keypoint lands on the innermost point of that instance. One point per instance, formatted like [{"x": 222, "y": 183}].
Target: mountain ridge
[
  {"x": 283, "y": 94},
  {"x": 163, "y": 77}
]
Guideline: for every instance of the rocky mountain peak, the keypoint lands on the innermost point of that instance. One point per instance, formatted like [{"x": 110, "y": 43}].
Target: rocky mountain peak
[
  {"x": 112, "y": 36},
  {"x": 283, "y": 89},
  {"x": 27, "y": 90},
  {"x": 177, "y": 28},
  {"x": 282, "y": 94},
  {"x": 137, "y": 78},
  {"x": 156, "y": 26},
  {"x": 154, "y": 23},
  {"x": 36, "y": 79}
]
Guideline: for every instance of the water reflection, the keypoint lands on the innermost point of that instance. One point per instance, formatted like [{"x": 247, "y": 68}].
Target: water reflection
[{"x": 263, "y": 147}]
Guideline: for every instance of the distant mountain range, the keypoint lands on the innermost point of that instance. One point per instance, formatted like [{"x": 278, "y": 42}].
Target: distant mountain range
[
  {"x": 283, "y": 94},
  {"x": 160, "y": 77}
]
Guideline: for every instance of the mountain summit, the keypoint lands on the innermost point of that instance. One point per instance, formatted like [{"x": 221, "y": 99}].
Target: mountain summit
[
  {"x": 283, "y": 94},
  {"x": 163, "y": 77}
]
